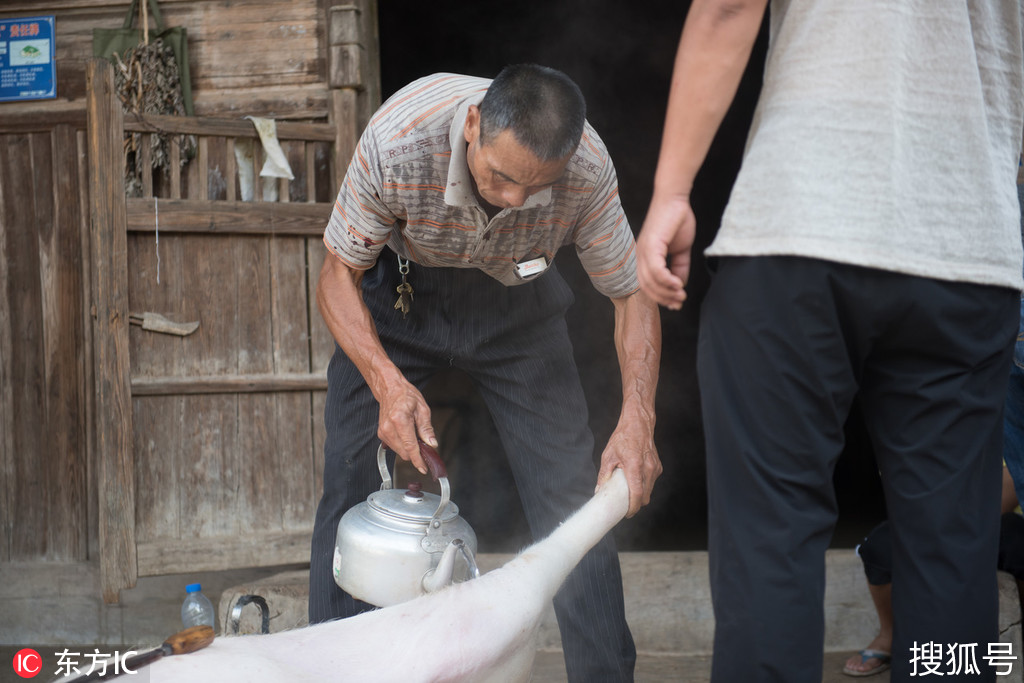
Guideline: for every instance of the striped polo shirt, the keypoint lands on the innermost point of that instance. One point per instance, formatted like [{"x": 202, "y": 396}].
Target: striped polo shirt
[{"x": 409, "y": 186}]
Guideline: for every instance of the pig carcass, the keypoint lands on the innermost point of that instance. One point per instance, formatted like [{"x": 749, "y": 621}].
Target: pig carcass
[{"x": 480, "y": 630}]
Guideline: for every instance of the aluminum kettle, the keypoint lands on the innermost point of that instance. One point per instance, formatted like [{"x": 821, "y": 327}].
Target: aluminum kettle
[{"x": 400, "y": 544}]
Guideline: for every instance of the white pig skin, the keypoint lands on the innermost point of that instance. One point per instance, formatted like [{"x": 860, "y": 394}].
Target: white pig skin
[{"x": 480, "y": 630}]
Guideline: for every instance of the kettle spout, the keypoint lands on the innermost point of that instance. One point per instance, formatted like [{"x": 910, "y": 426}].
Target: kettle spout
[{"x": 441, "y": 575}]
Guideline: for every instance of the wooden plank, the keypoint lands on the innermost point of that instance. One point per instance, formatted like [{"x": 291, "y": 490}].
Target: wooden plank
[
  {"x": 190, "y": 180},
  {"x": 255, "y": 437},
  {"x": 217, "y": 178},
  {"x": 220, "y": 127},
  {"x": 259, "y": 502},
  {"x": 294, "y": 190},
  {"x": 7, "y": 473},
  {"x": 35, "y": 116},
  {"x": 369, "y": 98},
  {"x": 88, "y": 377},
  {"x": 118, "y": 562},
  {"x": 145, "y": 161},
  {"x": 174, "y": 171},
  {"x": 228, "y": 218},
  {"x": 293, "y": 457},
  {"x": 28, "y": 502},
  {"x": 208, "y": 453},
  {"x": 157, "y": 354},
  {"x": 344, "y": 118},
  {"x": 343, "y": 25},
  {"x": 257, "y": 164},
  {"x": 325, "y": 191},
  {"x": 222, "y": 47},
  {"x": 174, "y": 385},
  {"x": 288, "y": 305},
  {"x": 253, "y": 346},
  {"x": 310, "y": 172},
  {"x": 227, "y": 552},
  {"x": 61, "y": 268},
  {"x": 209, "y": 278},
  {"x": 230, "y": 171},
  {"x": 292, "y": 67},
  {"x": 40, "y": 171},
  {"x": 158, "y": 428},
  {"x": 347, "y": 66},
  {"x": 24, "y": 6},
  {"x": 281, "y": 102},
  {"x": 254, "y": 486},
  {"x": 210, "y": 466},
  {"x": 202, "y": 161}
]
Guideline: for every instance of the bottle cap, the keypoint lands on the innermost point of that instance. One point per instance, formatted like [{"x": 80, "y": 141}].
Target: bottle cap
[{"x": 193, "y": 588}]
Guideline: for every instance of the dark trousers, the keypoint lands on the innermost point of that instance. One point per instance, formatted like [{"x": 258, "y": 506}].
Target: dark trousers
[
  {"x": 875, "y": 550},
  {"x": 514, "y": 343},
  {"x": 785, "y": 345}
]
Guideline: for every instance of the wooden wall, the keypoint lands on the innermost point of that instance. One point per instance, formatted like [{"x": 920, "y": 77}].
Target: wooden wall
[
  {"x": 246, "y": 56},
  {"x": 301, "y": 61}
]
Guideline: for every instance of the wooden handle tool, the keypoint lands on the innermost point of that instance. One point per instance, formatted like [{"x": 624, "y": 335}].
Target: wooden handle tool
[{"x": 181, "y": 643}]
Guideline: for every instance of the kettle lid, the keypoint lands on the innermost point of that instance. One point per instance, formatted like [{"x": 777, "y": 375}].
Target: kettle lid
[{"x": 412, "y": 504}]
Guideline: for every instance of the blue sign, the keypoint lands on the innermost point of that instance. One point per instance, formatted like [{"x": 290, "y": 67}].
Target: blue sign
[{"x": 27, "y": 66}]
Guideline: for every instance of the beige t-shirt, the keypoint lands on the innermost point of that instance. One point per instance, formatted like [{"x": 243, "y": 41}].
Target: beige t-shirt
[{"x": 887, "y": 135}]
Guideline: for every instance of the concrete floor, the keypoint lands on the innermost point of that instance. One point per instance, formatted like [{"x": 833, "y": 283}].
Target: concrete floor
[
  {"x": 549, "y": 667},
  {"x": 668, "y": 606}
]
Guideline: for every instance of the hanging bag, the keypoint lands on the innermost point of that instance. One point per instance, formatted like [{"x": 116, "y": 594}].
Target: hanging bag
[{"x": 106, "y": 42}]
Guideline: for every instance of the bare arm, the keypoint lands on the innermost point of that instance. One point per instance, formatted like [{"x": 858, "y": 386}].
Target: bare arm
[
  {"x": 631, "y": 446},
  {"x": 713, "y": 53},
  {"x": 1009, "y": 495},
  {"x": 404, "y": 413}
]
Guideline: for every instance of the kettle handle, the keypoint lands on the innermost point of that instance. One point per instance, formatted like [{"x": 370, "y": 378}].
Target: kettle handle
[{"x": 434, "y": 464}]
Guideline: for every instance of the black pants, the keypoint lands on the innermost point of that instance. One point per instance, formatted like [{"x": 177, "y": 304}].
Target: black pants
[
  {"x": 514, "y": 343},
  {"x": 875, "y": 550},
  {"x": 785, "y": 345}
]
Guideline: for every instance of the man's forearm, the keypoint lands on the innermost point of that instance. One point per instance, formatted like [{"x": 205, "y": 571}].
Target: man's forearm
[
  {"x": 713, "y": 52},
  {"x": 340, "y": 300},
  {"x": 404, "y": 414},
  {"x": 638, "y": 345}
]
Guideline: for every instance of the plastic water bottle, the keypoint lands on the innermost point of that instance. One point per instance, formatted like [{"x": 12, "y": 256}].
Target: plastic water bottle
[{"x": 197, "y": 608}]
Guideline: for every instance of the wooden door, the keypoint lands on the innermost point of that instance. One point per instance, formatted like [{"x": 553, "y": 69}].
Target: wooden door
[
  {"x": 43, "y": 368},
  {"x": 211, "y": 443}
]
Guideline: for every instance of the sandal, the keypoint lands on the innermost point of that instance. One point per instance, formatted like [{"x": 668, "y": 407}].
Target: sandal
[{"x": 884, "y": 661}]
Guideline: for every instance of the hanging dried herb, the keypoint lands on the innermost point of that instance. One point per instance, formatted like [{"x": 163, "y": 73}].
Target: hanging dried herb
[{"x": 147, "y": 82}]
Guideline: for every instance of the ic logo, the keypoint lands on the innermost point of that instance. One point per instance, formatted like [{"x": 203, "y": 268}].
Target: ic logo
[{"x": 27, "y": 663}]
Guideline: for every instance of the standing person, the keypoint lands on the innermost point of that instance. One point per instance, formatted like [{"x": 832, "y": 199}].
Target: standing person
[
  {"x": 1013, "y": 422},
  {"x": 462, "y": 190},
  {"x": 875, "y": 551},
  {"x": 870, "y": 248}
]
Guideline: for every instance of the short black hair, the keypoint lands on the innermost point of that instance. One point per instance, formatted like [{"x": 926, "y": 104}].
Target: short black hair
[{"x": 542, "y": 107}]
